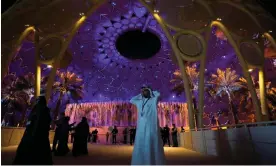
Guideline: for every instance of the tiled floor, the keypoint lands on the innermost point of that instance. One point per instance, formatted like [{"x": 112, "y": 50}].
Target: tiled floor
[{"x": 119, "y": 155}]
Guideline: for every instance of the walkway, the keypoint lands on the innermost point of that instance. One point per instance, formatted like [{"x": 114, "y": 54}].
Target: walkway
[{"x": 119, "y": 155}]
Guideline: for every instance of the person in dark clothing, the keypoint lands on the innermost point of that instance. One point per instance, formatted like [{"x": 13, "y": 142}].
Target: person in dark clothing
[
  {"x": 134, "y": 133},
  {"x": 95, "y": 135},
  {"x": 182, "y": 129},
  {"x": 107, "y": 137},
  {"x": 62, "y": 148},
  {"x": 125, "y": 135},
  {"x": 167, "y": 135},
  {"x": 80, "y": 140},
  {"x": 174, "y": 136},
  {"x": 92, "y": 136},
  {"x": 34, "y": 148},
  {"x": 114, "y": 134},
  {"x": 89, "y": 139},
  {"x": 162, "y": 135},
  {"x": 131, "y": 136},
  {"x": 72, "y": 135},
  {"x": 57, "y": 130}
]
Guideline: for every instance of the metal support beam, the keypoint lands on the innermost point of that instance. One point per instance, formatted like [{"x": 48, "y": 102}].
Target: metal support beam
[{"x": 146, "y": 24}]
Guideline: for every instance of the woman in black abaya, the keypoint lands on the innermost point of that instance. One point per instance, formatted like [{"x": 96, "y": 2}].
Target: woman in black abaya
[
  {"x": 62, "y": 148},
  {"x": 34, "y": 148},
  {"x": 81, "y": 136}
]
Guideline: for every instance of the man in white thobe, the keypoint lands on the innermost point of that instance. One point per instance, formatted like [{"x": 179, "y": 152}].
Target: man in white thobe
[{"x": 148, "y": 146}]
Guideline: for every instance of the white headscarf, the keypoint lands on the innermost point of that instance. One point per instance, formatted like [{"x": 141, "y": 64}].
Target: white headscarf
[{"x": 149, "y": 89}]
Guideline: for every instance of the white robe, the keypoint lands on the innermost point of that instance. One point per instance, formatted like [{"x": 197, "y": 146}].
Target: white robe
[{"x": 148, "y": 146}]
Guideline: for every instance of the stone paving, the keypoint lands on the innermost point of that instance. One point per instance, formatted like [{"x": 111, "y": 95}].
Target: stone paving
[{"x": 119, "y": 155}]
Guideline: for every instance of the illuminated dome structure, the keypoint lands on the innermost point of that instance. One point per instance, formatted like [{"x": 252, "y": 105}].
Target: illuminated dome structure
[{"x": 116, "y": 46}]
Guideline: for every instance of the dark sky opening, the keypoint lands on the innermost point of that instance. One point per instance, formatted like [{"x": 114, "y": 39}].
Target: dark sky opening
[{"x": 135, "y": 44}]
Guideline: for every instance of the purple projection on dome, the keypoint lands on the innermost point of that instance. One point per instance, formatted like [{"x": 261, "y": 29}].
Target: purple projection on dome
[{"x": 108, "y": 76}]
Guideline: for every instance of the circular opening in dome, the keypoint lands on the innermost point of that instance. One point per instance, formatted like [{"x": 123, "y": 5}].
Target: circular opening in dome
[{"x": 136, "y": 44}]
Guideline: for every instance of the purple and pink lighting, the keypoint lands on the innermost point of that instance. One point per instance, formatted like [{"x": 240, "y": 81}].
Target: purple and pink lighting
[{"x": 109, "y": 76}]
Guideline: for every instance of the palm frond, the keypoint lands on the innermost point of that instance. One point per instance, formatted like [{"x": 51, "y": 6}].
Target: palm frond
[
  {"x": 69, "y": 83},
  {"x": 178, "y": 80},
  {"x": 225, "y": 82}
]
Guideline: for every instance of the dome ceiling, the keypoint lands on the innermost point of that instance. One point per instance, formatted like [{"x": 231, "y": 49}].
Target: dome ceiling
[{"x": 108, "y": 75}]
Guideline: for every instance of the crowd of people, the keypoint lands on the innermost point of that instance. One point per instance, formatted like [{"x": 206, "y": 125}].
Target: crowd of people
[
  {"x": 79, "y": 135},
  {"x": 167, "y": 135},
  {"x": 35, "y": 149},
  {"x": 127, "y": 133}
]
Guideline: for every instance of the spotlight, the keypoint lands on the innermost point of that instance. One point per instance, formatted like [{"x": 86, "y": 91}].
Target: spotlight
[
  {"x": 250, "y": 70},
  {"x": 156, "y": 11},
  {"x": 49, "y": 66}
]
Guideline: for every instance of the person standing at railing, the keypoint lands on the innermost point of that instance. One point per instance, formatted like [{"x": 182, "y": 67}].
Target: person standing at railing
[
  {"x": 72, "y": 135},
  {"x": 174, "y": 136},
  {"x": 107, "y": 137},
  {"x": 114, "y": 135},
  {"x": 89, "y": 139},
  {"x": 182, "y": 129},
  {"x": 131, "y": 135},
  {"x": 125, "y": 135},
  {"x": 162, "y": 135},
  {"x": 95, "y": 136},
  {"x": 134, "y": 133},
  {"x": 166, "y": 131}
]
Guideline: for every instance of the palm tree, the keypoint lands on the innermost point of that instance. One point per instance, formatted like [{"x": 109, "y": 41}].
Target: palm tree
[
  {"x": 178, "y": 88},
  {"x": 226, "y": 83},
  {"x": 193, "y": 81},
  {"x": 270, "y": 95},
  {"x": 69, "y": 84},
  {"x": 17, "y": 93}
]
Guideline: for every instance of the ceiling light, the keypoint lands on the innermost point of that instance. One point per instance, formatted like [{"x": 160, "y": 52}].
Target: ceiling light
[
  {"x": 250, "y": 70},
  {"x": 49, "y": 66},
  {"x": 156, "y": 11}
]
